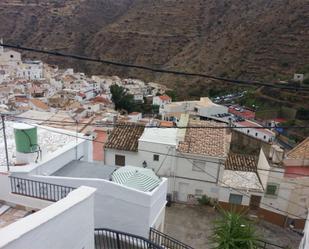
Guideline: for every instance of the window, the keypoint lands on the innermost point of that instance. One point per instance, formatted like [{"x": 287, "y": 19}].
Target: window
[
  {"x": 256, "y": 134},
  {"x": 272, "y": 189},
  {"x": 235, "y": 199},
  {"x": 198, "y": 166},
  {"x": 248, "y": 131},
  {"x": 198, "y": 192},
  {"x": 120, "y": 160},
  {"x": 12, "y": 56},
  {"x": 156, "y": 157},
  {"x": 264, "y": 137}
]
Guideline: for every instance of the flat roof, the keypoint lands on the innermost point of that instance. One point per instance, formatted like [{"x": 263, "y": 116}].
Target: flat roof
[
  {"x": 241, "y": 180},
  {"x": 160, "y": 136},
  {"x": 9, "y": 215},
  {"x": 81, "y": 169},
  {"x": 48, "y": 140}
]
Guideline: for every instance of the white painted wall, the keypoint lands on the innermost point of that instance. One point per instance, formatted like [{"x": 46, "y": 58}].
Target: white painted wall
[
  {"x": 68, "y": 223},
  {"x": 276, "y": 203},
  {"x": 263, "y": 168},
  {"x": 225, "y": 195}
]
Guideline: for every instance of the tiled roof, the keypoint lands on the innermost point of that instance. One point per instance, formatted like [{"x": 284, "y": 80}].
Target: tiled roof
[
  {"x": 301, "y": 151},
  {"x": 205, "y": 141},
  {"x": 39, "y": 104},
  {"x": 125, "y": 137},
  {"x": 164, "y": 97},
  {"x": 239, "y": 162}
]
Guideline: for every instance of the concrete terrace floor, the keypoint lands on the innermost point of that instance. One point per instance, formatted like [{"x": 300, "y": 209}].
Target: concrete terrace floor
[{"x": 193, "y": 226}]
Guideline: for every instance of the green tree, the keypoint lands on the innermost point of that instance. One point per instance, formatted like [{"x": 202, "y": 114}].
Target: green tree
[
  {"x": 155, "y": 109},
  {"x": 234, "y": 231},
  {"x": 122, "y": 99},
  {"x": 172, "y": 94}
]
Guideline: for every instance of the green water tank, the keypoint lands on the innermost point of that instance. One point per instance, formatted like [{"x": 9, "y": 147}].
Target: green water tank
[{"x": 26, "y": 138}]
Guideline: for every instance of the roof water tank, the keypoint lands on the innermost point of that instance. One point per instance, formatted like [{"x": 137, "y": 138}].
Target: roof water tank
[{"x": 26, "y": 138}]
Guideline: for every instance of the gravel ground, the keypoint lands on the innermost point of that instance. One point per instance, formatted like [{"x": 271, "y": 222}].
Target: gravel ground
[{"x": 193, "y": 226}]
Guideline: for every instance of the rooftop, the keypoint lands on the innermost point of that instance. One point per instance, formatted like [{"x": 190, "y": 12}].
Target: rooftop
[
  {"x": 39, "y": 104},
  {"x": 241, "y": 180},
  {"x": 125, "y": 137},
  {"x": 301, "y": 151},
  {"x": 81, "y": 169},
  {"x": 9, "y": 215},
  {"x": 164, "y": 97},
  {"x": 160, "y": 136},
  {"x": 240, "y": 162},
  {"x": 249, "y": 124},
  {"x": 48, "y": 141},
  {"x": 205, "y": 141}
]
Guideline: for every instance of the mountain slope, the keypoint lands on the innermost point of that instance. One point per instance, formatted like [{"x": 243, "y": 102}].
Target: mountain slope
[{"x": 262, "y": 39}]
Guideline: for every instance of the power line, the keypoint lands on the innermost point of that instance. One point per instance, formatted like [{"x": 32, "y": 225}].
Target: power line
[
  {"x": 160, "y": 153},
  {"x": 106, "y": 124},
  {"x": 183, "y": 156},
  {"x": 155, "y": 70}
]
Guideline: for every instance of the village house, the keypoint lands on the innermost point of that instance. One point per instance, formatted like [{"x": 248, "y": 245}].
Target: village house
[
  {"x": 203, "y": 108},
  {"x": 30, "y": 70},
  {"x": 255, "y": 130},
  {"x": 161, "y": 100}
]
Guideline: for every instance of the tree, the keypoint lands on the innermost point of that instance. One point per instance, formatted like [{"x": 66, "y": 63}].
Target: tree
[
  {"x": 172, "y": 94},
  {"x": 234, "y": 231},
  {"x": 155, "y": 109},
  {"x": 121, "y": 98}
]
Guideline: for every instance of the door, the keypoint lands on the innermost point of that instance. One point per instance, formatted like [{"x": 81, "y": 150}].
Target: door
[
  {"x": 183, "y": 191},
  {"x": 120, "y": 160},
  {"x": 255, "y": 202}
]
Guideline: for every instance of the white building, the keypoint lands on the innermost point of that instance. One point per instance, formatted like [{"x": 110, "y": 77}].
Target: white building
[
  {"x": 203, "y": 108},
  {"x": 31, "y": 70},
  {"x": 252, "y": 129},
  {"x": 178, "y": 154},
  {"x": 299, "y": 77},
  {"x": 9, "y": 60},
  {"x": 135, "y": 116},
  {"x": 161, "y": 100}
]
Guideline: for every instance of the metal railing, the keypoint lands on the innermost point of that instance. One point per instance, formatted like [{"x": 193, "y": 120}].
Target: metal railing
[
  {"x": 111, "y": 239},
  {"x": 166, "y": 241},
  {"x": 37, "y": 189}
]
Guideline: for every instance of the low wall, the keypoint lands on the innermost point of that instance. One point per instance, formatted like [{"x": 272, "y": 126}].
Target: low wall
[
  {"x": 68, "y": 223},
  {"x": 264, "y": 214}
]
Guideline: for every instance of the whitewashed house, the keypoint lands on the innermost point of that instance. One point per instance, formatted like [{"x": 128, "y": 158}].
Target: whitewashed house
[
  {"x": 178, "y": 154},
  {"x": 30, "y": 70},
  {"x": 255, "y": 130},
  {"x": 161, "y": 100},
  {"x": 204, "y": 108}
]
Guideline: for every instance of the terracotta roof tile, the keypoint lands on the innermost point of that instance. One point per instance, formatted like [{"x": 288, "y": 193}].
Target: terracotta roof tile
[
  {"x": 240, "y": 162},
  {"x": 39, "y": 104},
  {"x": 164, "y": 97},
  {"x": 125, "y": 137},
  {"x": 301, "y": 151},
  {"x": 205, "y": 141}
]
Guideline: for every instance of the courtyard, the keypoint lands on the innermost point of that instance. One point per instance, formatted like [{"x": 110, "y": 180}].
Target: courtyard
[{"x": 192, "y": 224}]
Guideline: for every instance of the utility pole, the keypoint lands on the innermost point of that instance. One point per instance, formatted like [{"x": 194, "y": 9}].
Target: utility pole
[{"x": 5, "y": 143}]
